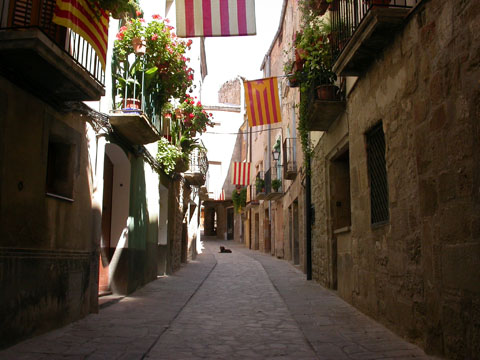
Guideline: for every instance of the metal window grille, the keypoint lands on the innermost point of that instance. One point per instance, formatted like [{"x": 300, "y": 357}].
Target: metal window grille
[{"x": 377, "y": 173}]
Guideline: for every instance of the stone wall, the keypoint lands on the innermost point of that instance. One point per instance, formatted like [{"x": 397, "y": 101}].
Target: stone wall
[
  {"x": 229, "y": 92},
  {"x": 418, "y": 273}
]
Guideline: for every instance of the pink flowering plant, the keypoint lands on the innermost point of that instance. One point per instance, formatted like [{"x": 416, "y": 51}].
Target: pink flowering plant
[
  {"x": 163, "y": 63},
  {"x": 189, "y": 118}
]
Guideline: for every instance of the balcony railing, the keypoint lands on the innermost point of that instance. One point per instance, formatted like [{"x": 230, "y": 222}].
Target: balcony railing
[
  {"x": 260, "y": 186},
  {"x": 37, "y": 14},
  {"x": 273, "y": 183},
  {"x": 289, "y": 158},
  {"x": 351, "y": 16},
  {"x": 198, "y": 167},
  {"x": 136, "y": 100}
]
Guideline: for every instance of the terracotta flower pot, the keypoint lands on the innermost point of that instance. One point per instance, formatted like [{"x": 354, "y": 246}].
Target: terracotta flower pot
[
  {"x": 373, "y": 3},
  {"x": 327, "y": 92},
  {"x": 293, "y": 81},
  {"x": 132, "y": 104}
]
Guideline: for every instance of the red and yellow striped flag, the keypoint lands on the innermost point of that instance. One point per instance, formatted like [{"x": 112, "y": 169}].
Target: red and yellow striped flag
[
  {"x": 263, "y": 104},
  {"x": 215, "y": 18},
  {"x": 81, "y": 17},
  {"x": 241, "y": 173}
]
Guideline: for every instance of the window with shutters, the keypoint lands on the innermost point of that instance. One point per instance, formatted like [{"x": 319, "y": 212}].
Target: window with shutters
[
  {"x": 36, "y": 13},
  {"x": 377, "y": 174}
]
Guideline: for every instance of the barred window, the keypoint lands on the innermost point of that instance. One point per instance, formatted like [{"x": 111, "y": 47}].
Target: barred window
[{"x": 377, "y": 174}]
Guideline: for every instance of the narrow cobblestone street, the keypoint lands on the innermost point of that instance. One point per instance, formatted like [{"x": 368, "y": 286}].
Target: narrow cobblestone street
[{"x": 243, "y": 305}]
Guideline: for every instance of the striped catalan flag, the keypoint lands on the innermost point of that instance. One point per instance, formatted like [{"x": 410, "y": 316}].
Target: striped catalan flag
[
  {"x": 215, "y": 18},
  {"x": 263, "y": 104},
  {"x": 81, "y": 17},
  {"x": 241, "y": 173}
]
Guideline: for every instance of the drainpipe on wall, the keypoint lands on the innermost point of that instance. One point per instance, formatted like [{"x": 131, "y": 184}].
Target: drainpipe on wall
[{"x": 308, "y": 221}]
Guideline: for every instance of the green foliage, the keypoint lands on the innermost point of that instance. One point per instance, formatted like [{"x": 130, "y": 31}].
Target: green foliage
[
  {"x": 117, "y": 8},
  {"x": 259, "y": 184},
  {"x": 276, "y": 184},
  {"x": 239, "y": 198},
  {"x": 189, "y": 118},
  {"x": 168, "y": 155},
  {"x": 164, "y": 64},
  {"x": 314, "y": 47}
]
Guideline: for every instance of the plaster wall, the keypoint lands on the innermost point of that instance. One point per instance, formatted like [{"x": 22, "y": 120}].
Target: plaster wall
[{"x": 48, "y": 256}]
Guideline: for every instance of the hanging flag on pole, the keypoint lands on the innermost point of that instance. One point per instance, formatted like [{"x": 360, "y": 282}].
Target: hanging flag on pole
[
  {"x": 83, "y": 18},
  {"x": 215, "y": 18},
  {"x": 263, "y": 104},
  {"x": 241, "y": 173}
]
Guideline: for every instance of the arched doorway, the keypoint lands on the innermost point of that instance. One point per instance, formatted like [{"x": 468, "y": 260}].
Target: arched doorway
[{"x": 116, "y": 199}]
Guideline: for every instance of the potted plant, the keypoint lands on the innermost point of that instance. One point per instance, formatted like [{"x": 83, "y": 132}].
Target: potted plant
[
  {"x": 259, "y": 185},
  {"x": 276, "y": 184},
  {"x": 168, "y": 156},
  {"x": 160, "y": 68},
  {"x": 317, "y": 70}
]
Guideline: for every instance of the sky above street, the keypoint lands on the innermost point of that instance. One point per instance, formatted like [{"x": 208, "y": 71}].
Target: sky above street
[{"x": 228, "y": 57}]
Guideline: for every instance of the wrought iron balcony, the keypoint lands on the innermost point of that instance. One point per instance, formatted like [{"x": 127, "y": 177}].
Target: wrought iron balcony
[
  {"x": 361, "y": 29},
  {"x": 196, "y": 174},
  {"x": 273, "y": 183},
  {"x": 260, "y": 186},
  {"x": 251, "y": 197},
  {"x": 136, "y": 117},
  {"x": 290, "y": 158},
  {"x": 49, "y": 60}
]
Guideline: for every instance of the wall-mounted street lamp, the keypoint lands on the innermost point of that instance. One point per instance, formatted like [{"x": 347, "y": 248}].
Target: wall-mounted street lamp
[{"x": 276, "y": 154}]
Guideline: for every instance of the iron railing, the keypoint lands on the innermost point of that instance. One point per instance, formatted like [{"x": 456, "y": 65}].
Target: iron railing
[
  {"x": 137, "y": 100},
  {"x": 198, "y": 162},
  {"x": 38, "y": 14},
  {"x": 273, "y": 177},
  {"x": 349, "y": 14},
  {"x": 259, "y": 184}
]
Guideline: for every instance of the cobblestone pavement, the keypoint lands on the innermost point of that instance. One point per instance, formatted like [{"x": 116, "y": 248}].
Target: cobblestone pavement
[{"x": 243, "y": 305}]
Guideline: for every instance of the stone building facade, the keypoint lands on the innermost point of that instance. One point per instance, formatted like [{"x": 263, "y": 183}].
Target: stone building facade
[
  {"x": 415, "y": 265},
  {"x": 281, "y": 218},
  {"x": 229, "y": 92}
]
